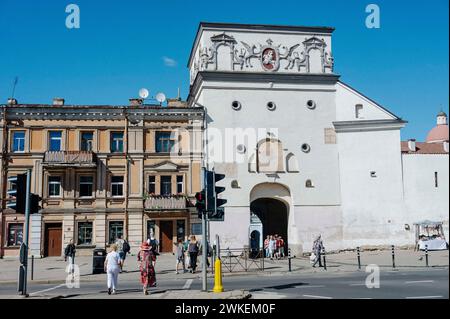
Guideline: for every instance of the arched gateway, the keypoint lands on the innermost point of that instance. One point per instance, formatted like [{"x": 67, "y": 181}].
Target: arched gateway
[{"x": 269, "y": 206}]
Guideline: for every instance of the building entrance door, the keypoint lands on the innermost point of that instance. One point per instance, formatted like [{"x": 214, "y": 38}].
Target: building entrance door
[
  {"x": 166, "y": 236},
  {"x": 53, "y": 240}
]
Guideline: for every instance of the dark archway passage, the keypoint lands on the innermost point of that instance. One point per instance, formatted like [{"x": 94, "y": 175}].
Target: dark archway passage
[{"x": 274, "y": 217}]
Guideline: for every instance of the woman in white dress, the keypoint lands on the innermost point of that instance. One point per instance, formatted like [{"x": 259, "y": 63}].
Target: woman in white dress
[{"x": 112, "y": 268}]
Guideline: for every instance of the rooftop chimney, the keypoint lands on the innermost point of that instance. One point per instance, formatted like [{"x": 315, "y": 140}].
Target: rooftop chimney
[
  {"x": 445, "y": 144},
  {"x": 12, "y": 101},
  {"x": 136, "y": 102},
  {"x": 176, "y": 103},
  {"x": 57, "y": 101},
  {"x": 412, "y": 145}
]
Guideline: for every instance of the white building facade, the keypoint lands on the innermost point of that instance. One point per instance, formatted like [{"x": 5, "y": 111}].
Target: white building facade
[{"x": 303, "y": 153}]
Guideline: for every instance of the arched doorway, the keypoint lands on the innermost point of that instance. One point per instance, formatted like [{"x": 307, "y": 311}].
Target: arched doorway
[{"x": 273, "y": 214}]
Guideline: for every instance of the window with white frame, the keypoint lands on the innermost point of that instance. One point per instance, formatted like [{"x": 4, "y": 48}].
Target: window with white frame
[
  {"x": 116, "y": 142},
  {"x": 18, "y": 141},
  {"x": 84, "y": 233},
  {"x": 54, "y": 186},
  {"x": 87, "y": 139},
  {"x": 180, "y": 188},
  {"x": 15, "y": 234},
  {"x": 86, "y": 186},
  {"x": 117, "y": 186},
  {"x": 55, "y": 141},
  {"x": 151, "y": 184}
]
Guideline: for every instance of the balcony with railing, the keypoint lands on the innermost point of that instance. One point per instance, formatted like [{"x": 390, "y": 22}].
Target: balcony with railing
[
  {"x": 160, "y": 202},
  {"x": 69, "y": 158}
]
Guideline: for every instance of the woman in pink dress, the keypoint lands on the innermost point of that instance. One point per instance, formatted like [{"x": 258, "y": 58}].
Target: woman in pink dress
[{"x": 146, "y": 257}]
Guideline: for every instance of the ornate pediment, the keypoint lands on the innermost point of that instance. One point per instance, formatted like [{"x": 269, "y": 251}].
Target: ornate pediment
[
  {"x": 223, "y": 38},
  {"x": 165, "y": 166}
]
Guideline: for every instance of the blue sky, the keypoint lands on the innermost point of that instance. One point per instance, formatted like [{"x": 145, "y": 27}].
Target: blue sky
[{"x": 122, "y": 46}]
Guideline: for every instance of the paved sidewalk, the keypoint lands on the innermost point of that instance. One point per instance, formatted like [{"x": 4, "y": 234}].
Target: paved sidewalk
[{"x": 52, "y": 269}]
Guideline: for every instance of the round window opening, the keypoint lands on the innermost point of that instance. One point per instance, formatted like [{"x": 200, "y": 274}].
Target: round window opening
[
  {"x": 306, "y": 148},
  {"x": 311, "y": 104},
  {"x": 271, "y": 106},
  {"x": 241, "y": 149},
  {"x": 236, "y": 105}
]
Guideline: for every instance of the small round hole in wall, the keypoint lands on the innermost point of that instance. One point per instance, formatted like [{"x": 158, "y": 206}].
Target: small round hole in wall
[
  {"x": 311, "y": 104},
  {"x": 271, "y": 106},
  {"x": 306, "y": 148},
  {"x": 240, "y": 148},
  {"x": 236, "y": 105}
]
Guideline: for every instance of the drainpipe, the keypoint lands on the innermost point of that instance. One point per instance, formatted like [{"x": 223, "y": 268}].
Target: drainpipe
[
  {"x": 4, "y": 178},
  {"x": 126, "y": 176}
]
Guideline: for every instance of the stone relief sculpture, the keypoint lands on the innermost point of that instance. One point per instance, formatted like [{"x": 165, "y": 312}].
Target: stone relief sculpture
[{"x": 269, "y": 55}]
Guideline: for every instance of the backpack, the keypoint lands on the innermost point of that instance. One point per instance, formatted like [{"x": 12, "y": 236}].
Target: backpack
[{"x": 126, "y": 247}]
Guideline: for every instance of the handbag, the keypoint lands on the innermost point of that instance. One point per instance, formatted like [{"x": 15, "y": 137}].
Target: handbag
[{"x": 312, "y": 258}]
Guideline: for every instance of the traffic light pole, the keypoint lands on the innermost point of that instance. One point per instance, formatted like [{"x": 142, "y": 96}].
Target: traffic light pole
[
  {"x": 24, "y": 248},
  {"x": 204, "y": 253}
]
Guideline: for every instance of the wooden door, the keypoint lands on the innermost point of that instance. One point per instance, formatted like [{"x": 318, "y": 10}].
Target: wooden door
[
  {"x": 53, "y": 244},
  {"x": 166, "y": 236}
]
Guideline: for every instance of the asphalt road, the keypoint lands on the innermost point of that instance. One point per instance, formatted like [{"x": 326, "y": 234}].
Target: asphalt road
[{"x": 421, "y": 284}]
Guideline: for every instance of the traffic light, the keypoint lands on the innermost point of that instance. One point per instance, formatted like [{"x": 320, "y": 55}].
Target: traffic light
[
  {"x": 17, "y": 193},
  {"x": 218, "y": 212},
  {"x": 200, "y": 203},
  {"x": 34, "y": 203}
]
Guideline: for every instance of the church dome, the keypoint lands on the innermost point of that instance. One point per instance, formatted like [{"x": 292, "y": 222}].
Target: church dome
[{"x": 438, "y": 134}]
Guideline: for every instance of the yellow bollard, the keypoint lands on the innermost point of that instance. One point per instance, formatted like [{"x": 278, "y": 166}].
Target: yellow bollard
[{"x": 218, "y": 277}]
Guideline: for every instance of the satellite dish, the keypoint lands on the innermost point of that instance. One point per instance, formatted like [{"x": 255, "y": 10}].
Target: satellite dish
[
  {"x": 160, "y": 97},
  {"x": 143, "y": 93}
]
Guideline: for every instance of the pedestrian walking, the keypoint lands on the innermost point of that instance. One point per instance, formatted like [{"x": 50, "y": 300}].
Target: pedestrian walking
[
  {"x": 272, "y": 247},
  {"x": 179, "y": 256},
  {"x": 266, "y": 245},
  {"x": 154, "y": 246},
  {"x": 123, "y": 249},
  {"x": 282, "y": 248},
  {"x": 186, "y": 248},
  {"x": 112, "y": 268},
  {"x": 69, "y": 253},
  {"x": 317, "y": 250},
  {"x": 193, "y": 253},
  {"x": 145, "y": 258}
]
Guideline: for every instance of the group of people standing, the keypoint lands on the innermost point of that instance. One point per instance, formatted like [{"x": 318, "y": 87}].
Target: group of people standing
[
  {"x": 274, "y": 247},
  {"x": 186, "y": 254}
]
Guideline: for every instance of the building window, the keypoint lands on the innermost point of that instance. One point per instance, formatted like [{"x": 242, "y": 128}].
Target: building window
[
  {"x": 436, "y": 184},
  {"x": 18, "y": 141},
  {"x": 180, "y": 187},
  {"x": 151, "y": 229},
  {"x": 85, "y": 233},
  {"x": 87, "y": 139},
  {"x": 86, "y": 186},
  {"x": 151, "y": 185},
  {"x": 164, "y": 143},
  {"x": 166, "y": 185},
  {"x": 117, "y": 185},
  {"x": 116, "y": 142},
  {"x": 55, "y": 141},
  {"x": 54, "y": 186},
  {"x": 330, "y": 136},
  {"x": 15, "y": 234},
  {"x": 358, "y": 111},
  {"x": 115, "y": 230},
  {"x": 181, "y": 229},
  {"x": 196, "y": 229}
]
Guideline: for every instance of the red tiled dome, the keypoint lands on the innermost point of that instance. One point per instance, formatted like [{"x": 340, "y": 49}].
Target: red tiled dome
[{"x": 438, "y": 134}]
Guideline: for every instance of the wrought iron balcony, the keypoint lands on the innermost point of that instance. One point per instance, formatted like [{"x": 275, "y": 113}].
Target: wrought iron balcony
[
  {"x": 69, "y": 158},
  {"x": 159, "y": 202}
]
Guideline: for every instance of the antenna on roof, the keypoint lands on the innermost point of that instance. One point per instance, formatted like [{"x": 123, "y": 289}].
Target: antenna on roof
[{"x": 16, "y": 79}]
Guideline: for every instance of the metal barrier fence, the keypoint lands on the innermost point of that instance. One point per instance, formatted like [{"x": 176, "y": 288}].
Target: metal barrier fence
[{"x": 242, "y": 259}]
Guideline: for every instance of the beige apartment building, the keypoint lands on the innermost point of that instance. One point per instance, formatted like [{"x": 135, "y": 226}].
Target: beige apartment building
[{"x": 102, "y": 171}]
